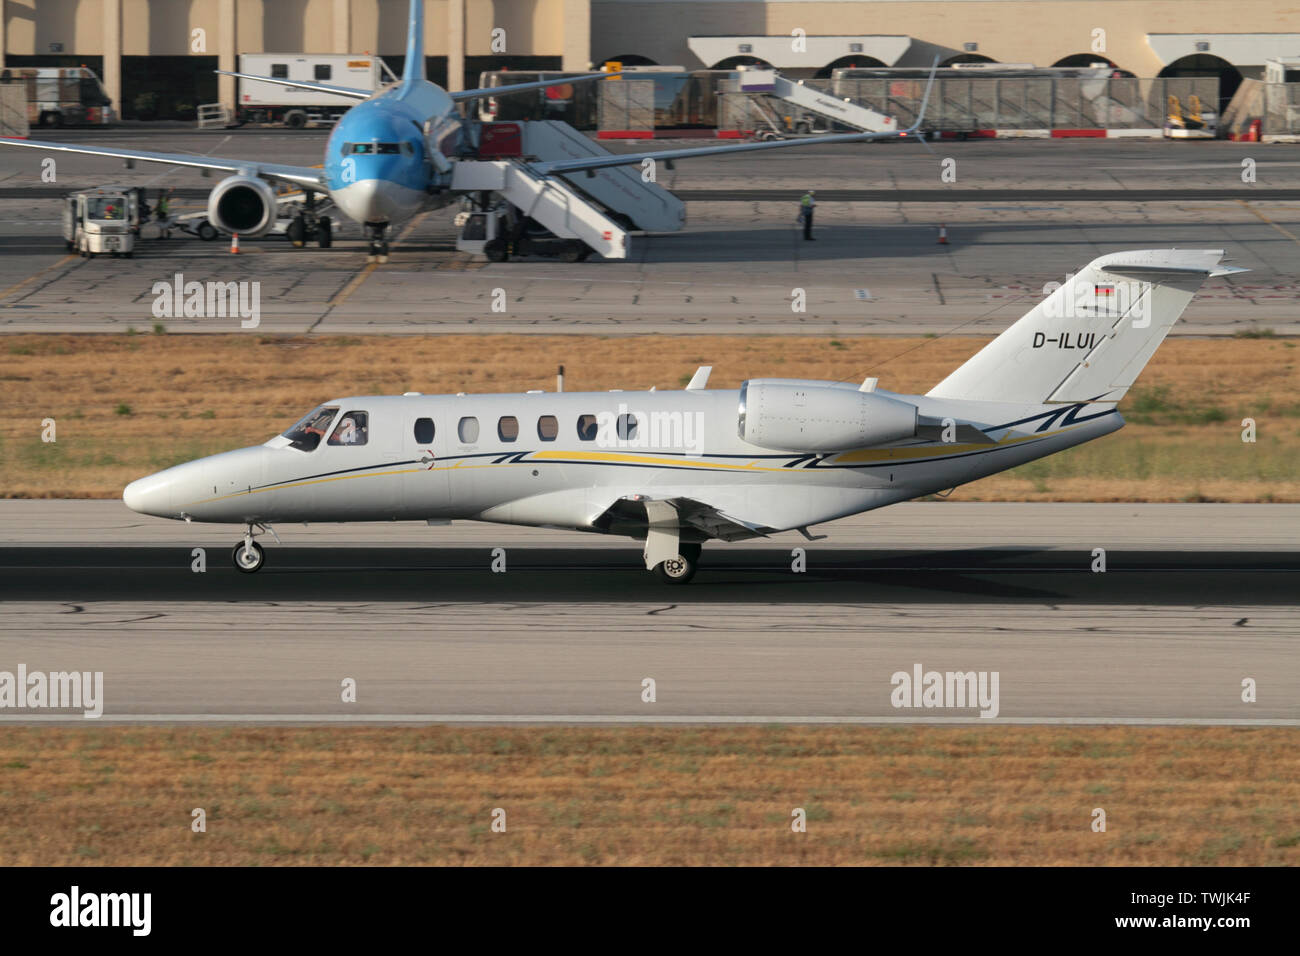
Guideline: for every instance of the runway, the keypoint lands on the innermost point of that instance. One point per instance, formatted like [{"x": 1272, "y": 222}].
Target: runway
[{"x": 1194, "y": 600}]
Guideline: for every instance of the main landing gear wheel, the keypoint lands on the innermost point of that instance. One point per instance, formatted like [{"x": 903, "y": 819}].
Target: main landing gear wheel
[
  {"x": 297, "y": 232},
  {"x": 324, "y": 232},
  {"x": 248, "y": 556},
  {"x": 681, "y": 569}
]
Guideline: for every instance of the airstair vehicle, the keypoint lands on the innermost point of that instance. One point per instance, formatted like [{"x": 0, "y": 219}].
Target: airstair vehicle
[
  {"x": 516, "y": 211},
  {"x": 814, "y": 112}
]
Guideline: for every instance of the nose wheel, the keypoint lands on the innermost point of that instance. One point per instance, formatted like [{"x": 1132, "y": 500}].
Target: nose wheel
[
  {"x": 248, "y": 555},
  {"x": 377, "y": 233}
]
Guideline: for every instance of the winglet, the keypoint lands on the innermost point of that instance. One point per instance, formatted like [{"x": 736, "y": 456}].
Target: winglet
[
  {"x": 925, "y": 99},
  {"x": 700, "y": 379}
]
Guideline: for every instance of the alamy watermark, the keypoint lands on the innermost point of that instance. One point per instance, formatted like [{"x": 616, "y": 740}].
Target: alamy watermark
[
  {"x": 179, "y": 299},
  {"x": 637, "y": 429},
  {"x": 954, "y": 689},
  {"x": 56, "y": 690}
]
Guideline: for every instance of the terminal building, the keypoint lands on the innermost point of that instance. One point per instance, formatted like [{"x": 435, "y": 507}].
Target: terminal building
[{"x": 157, "y": 57}]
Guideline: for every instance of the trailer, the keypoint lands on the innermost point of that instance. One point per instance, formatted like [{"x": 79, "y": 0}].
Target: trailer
[
  {"x": 262, "y": 101},
  {"x": 59, "y": 96}
]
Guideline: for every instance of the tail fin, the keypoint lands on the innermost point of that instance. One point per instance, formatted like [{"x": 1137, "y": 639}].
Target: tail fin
[
  {"x": 413, "y": 71},
  {"x": 1090, "y": 339}
]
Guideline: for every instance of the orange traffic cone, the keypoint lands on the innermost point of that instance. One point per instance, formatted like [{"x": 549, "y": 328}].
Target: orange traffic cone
[
  {"x": 234, "y": 243},
  {"x": 943, "y": 234}
]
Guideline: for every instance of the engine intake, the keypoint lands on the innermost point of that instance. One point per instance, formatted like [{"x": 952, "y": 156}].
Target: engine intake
[
  {"x": 242, "y": 204},
  {"x": 812, "y": 417}
]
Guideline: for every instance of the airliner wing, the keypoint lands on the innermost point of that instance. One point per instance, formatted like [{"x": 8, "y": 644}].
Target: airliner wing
[
  {"x": 628, "y": 159},
  {"x": 351, "y": 91},
  {"x": 299, "y": 175},
  {"x": 520, "y": 87}
]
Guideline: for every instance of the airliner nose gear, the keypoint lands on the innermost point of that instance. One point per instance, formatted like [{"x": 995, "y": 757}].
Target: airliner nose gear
[{"x": 376, "y": 233}]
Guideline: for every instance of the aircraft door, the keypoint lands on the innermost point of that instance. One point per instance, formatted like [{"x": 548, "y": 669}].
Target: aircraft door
[{"x": 426, "y": 489}]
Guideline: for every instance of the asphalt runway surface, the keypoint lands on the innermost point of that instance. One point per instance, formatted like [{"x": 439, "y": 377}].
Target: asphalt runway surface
[
  {"x": 1195, "y": 599},
  {"x": 1018, "y": 216}
]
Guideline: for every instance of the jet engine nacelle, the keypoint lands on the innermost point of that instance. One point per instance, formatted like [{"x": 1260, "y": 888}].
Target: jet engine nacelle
[
  {"x": 242, "y": 204},
  {"x": 813, "y": 417}
]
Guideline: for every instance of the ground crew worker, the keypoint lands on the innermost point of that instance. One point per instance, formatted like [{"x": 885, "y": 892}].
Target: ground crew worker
[
  {"x": 806, "y": 206},
  {"x": 164, "y": 205}
]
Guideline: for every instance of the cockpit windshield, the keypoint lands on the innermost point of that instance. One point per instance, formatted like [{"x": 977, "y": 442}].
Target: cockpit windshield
[{"x": 306, "y": 435}]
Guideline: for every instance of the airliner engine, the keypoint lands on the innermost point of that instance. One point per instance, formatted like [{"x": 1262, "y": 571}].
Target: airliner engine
[
  {"x": 819, "y": 417},
  {"x": 242, "y": 204}
]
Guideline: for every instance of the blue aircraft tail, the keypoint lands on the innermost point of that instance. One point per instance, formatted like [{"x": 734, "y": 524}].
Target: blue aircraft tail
[{"x": 413, "y": 72}]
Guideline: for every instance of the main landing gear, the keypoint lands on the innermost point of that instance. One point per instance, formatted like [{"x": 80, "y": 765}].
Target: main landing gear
[
  {"x": 681, "y": 568},
  {"x": 249, "y": 556},
  {"x": 376, "y": 233}
]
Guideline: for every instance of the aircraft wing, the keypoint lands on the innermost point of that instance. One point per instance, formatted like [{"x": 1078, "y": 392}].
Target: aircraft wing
[
  {"x": 628, "y": 159},
  {"x": 520, "y": 87},
  {"x": 668, "y": 155},
  {"x": 700, "y": 515},
  {"x": 351, "y": 91},
  {"x": 299, "y": 175}
]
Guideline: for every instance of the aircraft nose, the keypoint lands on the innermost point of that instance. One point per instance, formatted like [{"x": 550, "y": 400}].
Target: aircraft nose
[
  {"x": 367, "y": 200},
  {"x": 149, "y": 496}
]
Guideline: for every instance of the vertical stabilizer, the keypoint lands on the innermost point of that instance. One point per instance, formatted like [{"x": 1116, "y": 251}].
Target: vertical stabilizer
[
  {"x": 413, "y": 71},
  {"x": 1090, "y": 339}
]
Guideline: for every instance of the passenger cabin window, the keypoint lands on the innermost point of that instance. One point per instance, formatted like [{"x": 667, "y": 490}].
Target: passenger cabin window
[
  {"x": 586, "y": 427},
  {"x": 468, "y": 430},
  {"x": 353, "y": 429},
  {"x": 279, "y": 71},
  {"x": 322, "y": 71},
  {"x": 548, "y": 427},
  {"x": 311, "y": 428},
  {"x": 423, "y": 431},
  {"x": 627, "y": 427},
  {"x": 508, "y": 428}
]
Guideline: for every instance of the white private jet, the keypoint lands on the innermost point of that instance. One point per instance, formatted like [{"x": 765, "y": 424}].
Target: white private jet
[
  {"x": 679, "y": 468},
  {"x": 393, "y": 155}
]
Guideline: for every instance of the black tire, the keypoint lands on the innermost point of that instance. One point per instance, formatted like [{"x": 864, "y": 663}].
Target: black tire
[
  {"x": 324, "y": 232},
  {"x": 574, "y": 251},
  {"x": 680, "y": 570},
  {"x": 207, "y": 232},
  {"x": 253, "y": 562},
  {"x": 295, "y": 119},
  {"x": 67, "y": 244},
  {"x": 496, "y": 251},
  {"x": 297, "y": 232},
  {"x": 51, "y": 119}
]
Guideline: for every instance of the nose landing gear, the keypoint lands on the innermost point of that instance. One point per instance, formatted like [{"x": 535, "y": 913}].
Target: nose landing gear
[
  {"x": 376, "y": 233},
  {"x": 249, "y": 556}
]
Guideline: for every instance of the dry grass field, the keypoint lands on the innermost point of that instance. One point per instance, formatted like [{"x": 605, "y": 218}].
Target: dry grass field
[
  {"x": 639, "y": 795},
  {"x": 127, "y": 405}
]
